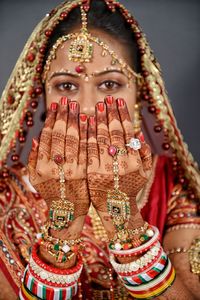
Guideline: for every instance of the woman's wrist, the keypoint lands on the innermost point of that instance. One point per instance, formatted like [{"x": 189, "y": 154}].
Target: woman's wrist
[{"x": 49, "y": 259}]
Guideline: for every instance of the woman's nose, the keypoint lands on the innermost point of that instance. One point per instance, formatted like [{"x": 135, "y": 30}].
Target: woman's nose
[{"x": 87, "y": 100}]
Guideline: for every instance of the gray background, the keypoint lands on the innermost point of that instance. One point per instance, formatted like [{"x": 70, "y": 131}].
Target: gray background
[{"x": 172, "y": 28}]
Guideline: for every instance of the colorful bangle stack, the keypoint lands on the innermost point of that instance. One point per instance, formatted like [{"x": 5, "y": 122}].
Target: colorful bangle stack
[
  {"x": 45, "y": 282},
  {"x": 149, "y": 275}
]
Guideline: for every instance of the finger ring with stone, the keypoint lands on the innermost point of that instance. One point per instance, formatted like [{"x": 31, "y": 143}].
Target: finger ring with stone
[
  {"x": 113, "y": 150},
  {"x": 134, "y": 144}
]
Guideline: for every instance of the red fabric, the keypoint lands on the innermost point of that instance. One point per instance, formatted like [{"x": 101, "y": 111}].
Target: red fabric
[{"x": 155, "y": 210}]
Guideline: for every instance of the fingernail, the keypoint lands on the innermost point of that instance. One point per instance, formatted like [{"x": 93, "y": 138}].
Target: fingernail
[
  {"x": 54, "y": 106},
  {"x": 92, "y": 120},
  {"x": 83, "y": 117},
  {"x": 120, "y": 102},
  {"x": 73, "y": 105},
  {"x": 141, "y": 137},
  {"x": 109, "y": 99},
  {"x": 34, "y": 144},
  {"x": 100, "y": 106},
  {"x": 64, "y": 101}
]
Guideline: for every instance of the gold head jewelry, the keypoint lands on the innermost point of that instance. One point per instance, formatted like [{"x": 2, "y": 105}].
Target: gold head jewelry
[{"x": 81, "y": 50}]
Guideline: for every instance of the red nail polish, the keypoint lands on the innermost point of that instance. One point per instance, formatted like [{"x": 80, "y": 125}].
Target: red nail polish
[
  {"x": 64, "y": 101},
  {"x": 34, "y": 144},
  {"x": 92, "y": 120},
  {"x": 120, "y": 102},
  {"x": 100, "y": 106},
  {"x": 73, "y": 106},
  {"x": 141, "y": 137},
  {"x": 54, "y": 106},
  {"x": 83, "y": 117},
  {"x": 109, "y": 99}
]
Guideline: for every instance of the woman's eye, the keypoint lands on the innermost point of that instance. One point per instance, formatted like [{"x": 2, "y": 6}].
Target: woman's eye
[
  {"x": 66, "y": 86},
  {"x": 109, "y": 85}
]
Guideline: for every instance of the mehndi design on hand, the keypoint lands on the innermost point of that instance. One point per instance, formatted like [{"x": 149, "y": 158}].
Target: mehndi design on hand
[
  {"x": 114, "y": 122},
  {"x": 62, "y": 125}
]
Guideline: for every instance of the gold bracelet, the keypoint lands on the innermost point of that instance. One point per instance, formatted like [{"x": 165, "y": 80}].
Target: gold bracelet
[{"x": 176, "y": 250}]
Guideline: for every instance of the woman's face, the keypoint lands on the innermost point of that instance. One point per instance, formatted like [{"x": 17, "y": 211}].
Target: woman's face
[{"x": 99, "y": 78}]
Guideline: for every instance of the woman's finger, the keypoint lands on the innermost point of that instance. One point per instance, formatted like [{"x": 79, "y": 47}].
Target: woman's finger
[
  {"x": 82, "y": 158},
  {"x": 32, "y": 159},
  {"x": 145, "y": 153},
  {"x": 44, "y": 153},
  {"x": 92, "y": 148},
  {"x": 125, "y": 119},
  {"x": 59, "y": 129},
  {"x": 103, "y": 137},
  {"x": 114, "y": 124},
  {"x": 72, "y": 134}
]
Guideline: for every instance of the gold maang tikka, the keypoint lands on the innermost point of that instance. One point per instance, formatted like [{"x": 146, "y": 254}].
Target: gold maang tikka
[{"x": 81, "y": 50}]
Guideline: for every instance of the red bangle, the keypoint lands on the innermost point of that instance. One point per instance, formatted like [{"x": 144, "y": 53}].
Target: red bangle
[{"x": 53, "y": 269}]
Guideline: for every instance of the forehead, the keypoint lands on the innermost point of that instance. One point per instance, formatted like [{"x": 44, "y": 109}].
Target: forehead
[{"x": 99, "y": 60}]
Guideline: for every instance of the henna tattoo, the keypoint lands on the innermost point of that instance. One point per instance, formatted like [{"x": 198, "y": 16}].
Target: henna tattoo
[
  {"x": 68, "y": 173},
  {"x": 93, "y": 150},
  {"x": 50, "y": 119},
  {"x": 62, "y": 114},
  {"x": 72, "y": 145},
  {"x": 124, "y": 114},
  {"x": 102, "y": 140},
  {"x": 124, "y": 165},
  {"x": 41, "y": 156},
  {"x": 101, "y": 119},
  {"x": 45, "y": 143},
  {"x": 73, "y": 120},
  {"x": 70, "y": 159},
  {"x": 108, "y": 167},
  {"x": 58, "y": 142}
]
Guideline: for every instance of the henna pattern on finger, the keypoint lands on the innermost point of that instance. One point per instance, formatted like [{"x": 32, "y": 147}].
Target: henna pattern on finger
[
  {"x": 93, "y": 150},
  {"x": 62, "y": 114},
  {"x": 73, "y": 120},
  {"x": 72, "y": 145},
  {"x": 50, "y": 119},
  {"x": 58, "y": 142},
  {"x": 70, "y": 159},
  {"x": 101, "y": 119},
  {"x": 124, "y": 114},
  {"x": 112, "y": 116}
]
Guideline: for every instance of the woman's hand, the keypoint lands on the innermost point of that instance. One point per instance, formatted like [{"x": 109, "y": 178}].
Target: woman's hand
[
  {"x": 112, "y": 126},
  {"x": 64, "y": 134}
]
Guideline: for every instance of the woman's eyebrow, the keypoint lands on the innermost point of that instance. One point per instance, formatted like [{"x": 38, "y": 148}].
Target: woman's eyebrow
[
  {"x": 67, "y": 73},
  {"x": 107, "y": 71}
]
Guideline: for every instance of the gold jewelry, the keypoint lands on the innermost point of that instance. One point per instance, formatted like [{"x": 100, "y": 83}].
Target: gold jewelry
[
  {"x": 47, "y": 237},
  {"x": 81, "y": 50},
  {"x": 194, "y": 256},
  {"x": 117, "y": 202},
  {"x": 61, "y": 212},
  {"x": 176, "y": 250},
  {"x": 137, "y": 119}
]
